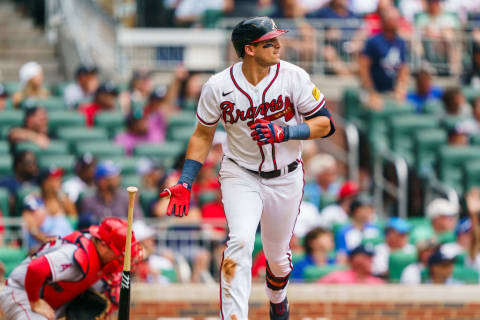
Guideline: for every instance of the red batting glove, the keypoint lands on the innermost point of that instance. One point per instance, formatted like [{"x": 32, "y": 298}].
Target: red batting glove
[
  {"x": 265, "y": 132},
  {"x": 179, "y": 200}
]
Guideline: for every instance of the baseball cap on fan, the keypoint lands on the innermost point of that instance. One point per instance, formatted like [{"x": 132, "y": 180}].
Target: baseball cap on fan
[{"x": 106, "y": 169}]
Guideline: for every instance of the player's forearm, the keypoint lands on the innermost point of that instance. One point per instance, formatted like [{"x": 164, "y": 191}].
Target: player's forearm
[{"x": 319, "y": 127}]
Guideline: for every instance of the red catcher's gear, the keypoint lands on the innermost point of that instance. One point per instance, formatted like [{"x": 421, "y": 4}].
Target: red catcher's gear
[{"x": 113, "y": 231}]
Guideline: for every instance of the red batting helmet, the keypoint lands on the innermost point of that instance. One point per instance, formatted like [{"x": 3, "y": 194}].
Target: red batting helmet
[{"x": 113, "y": 231}]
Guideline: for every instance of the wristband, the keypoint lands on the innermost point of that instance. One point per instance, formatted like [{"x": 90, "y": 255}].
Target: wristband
[
  {"x": 189, "y": 172},
  {"x": 298, "y": 132}
]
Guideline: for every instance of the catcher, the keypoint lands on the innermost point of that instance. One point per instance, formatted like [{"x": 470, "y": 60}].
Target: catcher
[{"x": 77, "y": 276}]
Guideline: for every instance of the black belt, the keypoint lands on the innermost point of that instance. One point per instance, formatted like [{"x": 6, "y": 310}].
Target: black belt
[{"x": 272, "y": 174}]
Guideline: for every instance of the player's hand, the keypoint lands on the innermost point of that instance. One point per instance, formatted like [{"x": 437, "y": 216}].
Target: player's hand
[
  {"x": 265, "y": 132},
  {"x": 179, "y": 200},
  {"x": 42, "y": 307}
]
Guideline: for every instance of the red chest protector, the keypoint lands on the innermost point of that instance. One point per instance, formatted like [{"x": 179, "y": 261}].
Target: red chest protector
[{"x": 87, "y": 260}]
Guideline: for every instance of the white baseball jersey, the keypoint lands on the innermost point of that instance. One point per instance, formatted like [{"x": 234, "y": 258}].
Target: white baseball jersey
[{"x": 285, "y": 96}]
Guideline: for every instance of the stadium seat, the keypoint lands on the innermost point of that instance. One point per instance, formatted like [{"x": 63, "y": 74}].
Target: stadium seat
[
  {"x": 4, "y": 147},
  {"x": 65, "y": 119},
  {"x": 99, "y": 148},
  {"x": 12, "y": 87},
  {"x": 465, "y": 274},
  {"x": 397, "y": 261},
  {"x": 111, "y": 120},
  {"x": 54, "y": 147},
  {"x": 58, "y": 89},
  {"x": 6, "y": 163},
  {"x": 401, "y": 127},
  {"x": 434, "y": 107},
  {"x": 77, "y": 134},
  {"x": 475, "y": 139},
  {"x": 181, "y": 134},
  {"x": 421, "y": 232},
  {"x": 471, "y": 175},
  {"x": 11, "y": 118},
  {"x": 312, "y": 274},
  {"x": 426, "y": 145},
  {"x": 470, "y": 93},
  {"x": 64, "y": 161},
  {"x": 418, "y": 221},
  {"x": 257, "y": 245},
  {"x": 128, "y": 165},
  {"x": 351, "y": 103},
  {"x": 166, "y": 152},
  {"x": 146, "y": 198},
  {"x": 11, "y": 257},
  {"x": 4, "y": 202},
  {"x": 52, "y": 104},
  {"x": 131, "y": 180},
  {"x": 170, "y": 274},
  {"x": 451, "y": 162},
  {"x": 183, "y": 119}
]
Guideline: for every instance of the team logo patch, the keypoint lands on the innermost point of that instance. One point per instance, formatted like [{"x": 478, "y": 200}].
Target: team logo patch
[{"x": 316, "y": 93}]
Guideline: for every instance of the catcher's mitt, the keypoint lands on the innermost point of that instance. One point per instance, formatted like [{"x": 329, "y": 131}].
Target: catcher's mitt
[{"x": 87, "y": 306}]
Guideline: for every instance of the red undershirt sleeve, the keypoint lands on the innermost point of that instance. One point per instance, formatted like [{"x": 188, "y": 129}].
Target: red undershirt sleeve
[{"x": 37, "y": 273}]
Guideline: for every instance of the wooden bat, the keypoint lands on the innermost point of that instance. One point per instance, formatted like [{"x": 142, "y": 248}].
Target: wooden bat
[{"x": 124, "y": 305}]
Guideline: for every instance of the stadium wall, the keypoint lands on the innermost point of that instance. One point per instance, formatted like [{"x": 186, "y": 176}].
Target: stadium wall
[{"x": 315, "y": 302}]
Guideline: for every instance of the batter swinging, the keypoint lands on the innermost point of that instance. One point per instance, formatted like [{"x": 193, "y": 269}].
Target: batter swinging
[{"x": 267, "y": 107}]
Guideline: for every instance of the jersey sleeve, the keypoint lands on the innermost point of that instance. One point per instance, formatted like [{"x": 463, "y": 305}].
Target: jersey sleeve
[
  {"x": 62, "y": 265},
  {"x": 307, "y": 97},
  {"x": 208, "y": 111}
]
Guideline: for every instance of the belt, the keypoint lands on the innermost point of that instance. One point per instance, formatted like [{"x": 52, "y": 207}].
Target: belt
[{"x": 272, "y": 174}]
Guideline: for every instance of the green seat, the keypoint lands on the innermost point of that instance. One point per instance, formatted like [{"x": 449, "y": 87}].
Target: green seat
[
  {"x": 471, "y": 175},
  {"x": 128, "y": 165},
  {"x": 170, "y": 274},
  {"x": 452, "y": 161},
  {"x": 434, "y": 107},
  {"x": 421, "y": 232},
  {"x": 450, "y": 122},
  {"x": 447, "y": 237},
  {"x": 11, "y": 258},
  {"x": 58, "y": 89},
  {"x": 4, "y": 202},
  {"x": 64, "y": 161},
  {"x": 257, "y": 245},
  {"x": 11, "y": 118},
  {"x": 351, "y": 103},
  {"x": 146, "y": 198},
  {"x": 76, "y": 134},
  {"x": 52, "y": 104},
  {"x": 4, "y": 147},
  {"x": 110, "y": 120},
  {"x": 426, "y": 145},
  {"x": 166, "y": 152},
  {"x": 296, "y": 257},
  {"x": 312, "y": 274},
  {"x": 470, "y": 93},
  {"x": 465, "y": 274},
  {"x": 5, "y": 165},
  {"x": 475, "y": 139},
  {"x": 99, "y": 148},
  {"x": 418, "y": 221},
  {"x": 131, "y": 180},
  {"x": 12, "y": 87},
  {"x": 401, "y": 127},
  {"x": 54, "y": 147},
  {"x": 397, "y": 261},
  {"x": 181, "y": 120},
  {"x": 65, "y": 119},
  {"x": 181, "y": 134}
]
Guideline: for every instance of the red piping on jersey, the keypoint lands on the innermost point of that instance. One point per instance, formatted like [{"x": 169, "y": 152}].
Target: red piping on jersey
[
  {"x": 300, "y": 202},
  {"x": 205, "y": 122},
  {"x": 322, "y": 103},
  {"x": 21, "y": 305},
  {"x": 263, "y": 102},
  {"x": 251, "y": 105}
]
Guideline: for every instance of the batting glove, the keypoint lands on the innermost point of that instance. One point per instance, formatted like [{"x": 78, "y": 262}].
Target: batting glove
[
  {"x": 265, "y": 132},
  {"x": 179, "y": 199}
]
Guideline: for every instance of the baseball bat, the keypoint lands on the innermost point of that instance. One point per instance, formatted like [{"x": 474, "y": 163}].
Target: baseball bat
[{"x": 124, "y": 305}]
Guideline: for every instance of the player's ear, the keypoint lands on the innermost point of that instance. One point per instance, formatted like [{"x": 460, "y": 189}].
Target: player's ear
[{"x": 249, "y": 50}]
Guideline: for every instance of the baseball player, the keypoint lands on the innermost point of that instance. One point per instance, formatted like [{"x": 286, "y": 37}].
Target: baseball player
[
  {"x": 268, "y": 106},
  {"x": 49, "y": 284}
]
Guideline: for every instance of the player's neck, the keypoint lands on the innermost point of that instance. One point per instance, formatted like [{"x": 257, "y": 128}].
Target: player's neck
[{"x": 253, "y": 72}]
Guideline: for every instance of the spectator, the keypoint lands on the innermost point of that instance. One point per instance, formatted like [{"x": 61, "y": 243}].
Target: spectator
[
  {"x": 440, "y": 267},
  {"x": 425, "y": 90},
  {"x": 25, "y": 171},
  {"x": 189, "y": 90},
  {"x": 84, "y": 87},
  {"x": 373, "y": 21},
  {"x": 362, "y": 7},
  {"x": 383, "y": 64},
  {"x": 34, "y": 128},
  {"x": 190, "y": 12},
  {"x": 154, "y": 263},
  {"x": 3, "y": 98},
  {"x": 138, "y": 131},
  {"x": 360, "y": 228},
  {"x": 472, "y": 125},
  {"x": 108, "y": 200},
  {"x": 410, "y": 8},
  {"x": 159, "y": 109},
  {"x": 360, "y": 269},
  {"x": 339, "y": 212},
  {"x": 396, "y": 239},
  {"x": 412, "y": 274},
  {"x": 46, "y": 215},
  {"x": 308, "y": 219},
  {"x": 140, "y": 87},
  {"x": 152, "y": 173},
  {"x": 455, "y": 103},
  {"x": 104, "y": 101},
  {"x": 318, "y": 244},
  {"x": 439, "y": 29},
  {"x": 457, "y": 136},
  {"x": 31, "y": 82},
  {"x": 470, "y": 240},
  {"x": 84, "y": 178},
  {"x": 471, "y": 76},
  {"x": 443, "y": 216},
  {"x": 323, "y": 185}
]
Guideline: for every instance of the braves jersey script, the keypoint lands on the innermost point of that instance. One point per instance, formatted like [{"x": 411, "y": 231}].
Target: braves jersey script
[{"x": 285, "y": 97}]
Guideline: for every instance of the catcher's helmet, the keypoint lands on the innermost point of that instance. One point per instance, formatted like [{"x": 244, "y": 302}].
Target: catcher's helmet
[
  {"x": 254, "y": 30},
  {"x": 113, "y": 231}
]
